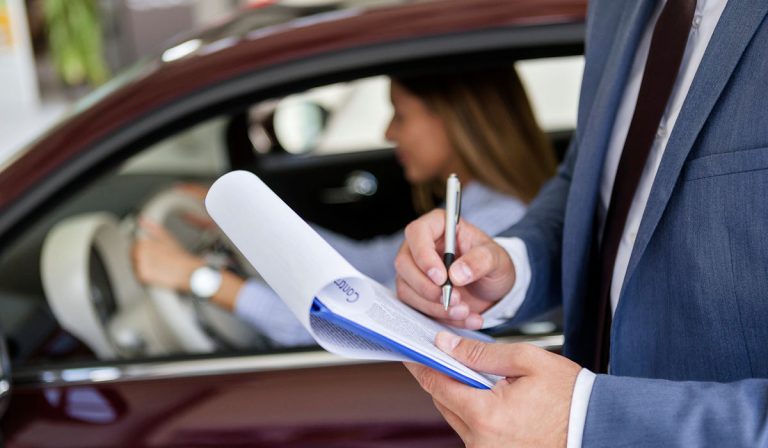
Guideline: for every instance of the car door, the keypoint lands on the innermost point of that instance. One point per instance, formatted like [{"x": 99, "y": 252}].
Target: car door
[
  {"x": 92, "y": 382},
  {"x": 64, "y": 393}
]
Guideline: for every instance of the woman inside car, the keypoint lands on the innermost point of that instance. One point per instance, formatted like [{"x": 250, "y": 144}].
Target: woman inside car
[{"x": 477, "y": 124}]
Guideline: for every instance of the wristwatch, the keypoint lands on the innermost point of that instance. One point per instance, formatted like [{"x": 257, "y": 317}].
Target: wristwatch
[{"x": 205, "y": 282}]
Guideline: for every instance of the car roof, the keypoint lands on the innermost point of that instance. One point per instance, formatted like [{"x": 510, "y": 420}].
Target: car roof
[{"x": 252, "y": 41}]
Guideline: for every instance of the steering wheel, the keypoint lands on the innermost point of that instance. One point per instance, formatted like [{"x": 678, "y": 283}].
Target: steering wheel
[
  {"x": 197, "y": 326},
  {"x": 90, "y": 286}
]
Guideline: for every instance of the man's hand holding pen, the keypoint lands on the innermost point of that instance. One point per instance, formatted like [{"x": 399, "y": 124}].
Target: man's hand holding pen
[
  {"x": 481, "y": 274},
  {"x": 531, "y": 406}
]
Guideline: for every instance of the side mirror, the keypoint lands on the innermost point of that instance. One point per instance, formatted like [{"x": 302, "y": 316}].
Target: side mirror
[
  {"x": 299, "y": 124},
  {"x": 5, "y": 375}
]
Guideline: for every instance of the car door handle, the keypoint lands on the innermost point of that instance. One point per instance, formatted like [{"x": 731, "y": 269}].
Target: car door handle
[{"x": 358, "y": 185}]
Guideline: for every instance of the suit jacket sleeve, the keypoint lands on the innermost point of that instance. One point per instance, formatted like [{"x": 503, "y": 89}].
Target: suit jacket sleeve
[
  {"x": 542, "y": 231},
  {"x": 626, "y": 411},
  {"x": 542, "y": 227}
]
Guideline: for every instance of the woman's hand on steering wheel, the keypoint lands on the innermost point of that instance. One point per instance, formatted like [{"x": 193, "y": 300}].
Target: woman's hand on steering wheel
[{"x": 160, "y": 260}]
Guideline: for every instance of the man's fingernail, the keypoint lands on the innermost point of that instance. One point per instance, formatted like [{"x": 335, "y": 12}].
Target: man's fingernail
[
  {"x": 461, "y": 273},
  {"x": 446, "y": 341},
  {"x": 458, "y": 312},
  {"x": 434, "y": 275},
  {"x": 474, "y": 322}
]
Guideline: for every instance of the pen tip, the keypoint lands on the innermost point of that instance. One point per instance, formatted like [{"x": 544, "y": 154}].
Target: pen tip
[{"x": 446, "y": 296}]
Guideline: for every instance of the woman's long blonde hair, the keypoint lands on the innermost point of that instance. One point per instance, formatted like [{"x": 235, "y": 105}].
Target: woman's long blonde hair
[{"x": 491, "y": 127}]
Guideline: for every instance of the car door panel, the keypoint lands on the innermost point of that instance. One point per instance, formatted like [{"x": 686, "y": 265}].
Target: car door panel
[
  {"x": 367, "y": 405},
  {"x": 317, "y": 188}
]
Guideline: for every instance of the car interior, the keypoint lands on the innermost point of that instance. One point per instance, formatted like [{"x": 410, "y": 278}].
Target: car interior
[{"x": 68, "y": 290}]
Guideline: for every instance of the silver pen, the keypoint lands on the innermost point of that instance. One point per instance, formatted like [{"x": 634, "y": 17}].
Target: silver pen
[{"x": 452, "y": 213}]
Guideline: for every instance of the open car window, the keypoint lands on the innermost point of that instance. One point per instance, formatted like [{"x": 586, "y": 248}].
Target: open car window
[
  {"x": 553, "y": 87},
  {"x": 342, "y": 117},
  {"x": 69, "y": 290},
  {"x": 67, "y": 284},
  {"x": 353, "y": 116}
]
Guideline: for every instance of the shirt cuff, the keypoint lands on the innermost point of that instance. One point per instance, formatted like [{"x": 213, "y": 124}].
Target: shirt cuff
[
  {"x": 582, "y": 390},
  {"x": 507, "y": 307}
]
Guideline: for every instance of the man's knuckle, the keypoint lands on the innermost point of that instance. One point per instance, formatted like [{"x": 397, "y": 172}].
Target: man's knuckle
[
  {"x": 485, "y": 258},
  {"x": 475, "y": 353},
  {"x": 399, "y": 289},
  {"x": 410, "y": 229},
  {"x": 426, "y": 380},
  {"x": 400, "y": 262},
  {"x": 531, "y": 350},
  {"x": 526, "y": 353},
  {"x": 427, "y": 291}
]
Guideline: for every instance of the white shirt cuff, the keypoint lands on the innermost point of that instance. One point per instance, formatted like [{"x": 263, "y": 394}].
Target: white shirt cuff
[
  {"x": 507, "y": 307},
  {"x": 582, "y": 390}
]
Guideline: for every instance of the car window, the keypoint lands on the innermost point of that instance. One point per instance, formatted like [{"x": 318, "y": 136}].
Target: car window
[
  {"x": 353, "y": 116},
  {"x": 198, "y": 151},
  {"x": 342, "y": 117},
  {"x": 553, "y": 86},
  {"x": 68, "y": 286}
]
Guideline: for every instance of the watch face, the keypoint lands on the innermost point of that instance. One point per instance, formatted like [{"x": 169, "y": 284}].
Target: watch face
[{"x": 205, "y": 282}]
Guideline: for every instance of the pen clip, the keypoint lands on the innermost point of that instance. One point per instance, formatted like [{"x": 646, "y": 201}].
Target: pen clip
[{"x": 458, "y": 203}]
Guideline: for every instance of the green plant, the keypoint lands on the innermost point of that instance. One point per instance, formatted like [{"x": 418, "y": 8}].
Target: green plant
[{"x": 75, "y": 40}]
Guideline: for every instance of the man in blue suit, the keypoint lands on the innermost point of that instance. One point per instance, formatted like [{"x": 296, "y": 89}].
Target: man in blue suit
[{"x": 653, "y": 236}]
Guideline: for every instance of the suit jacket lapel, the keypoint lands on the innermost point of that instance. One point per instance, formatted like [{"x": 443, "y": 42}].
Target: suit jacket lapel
[
  {"x": 738, "y": 23},
  {"x": 593, "y": 142}
]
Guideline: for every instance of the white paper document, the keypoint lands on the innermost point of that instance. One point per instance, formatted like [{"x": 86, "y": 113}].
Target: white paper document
[{"x": 346, "y": 312}]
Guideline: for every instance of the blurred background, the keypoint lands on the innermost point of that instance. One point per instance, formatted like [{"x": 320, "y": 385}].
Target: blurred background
[{"x": 54, "y": 52}]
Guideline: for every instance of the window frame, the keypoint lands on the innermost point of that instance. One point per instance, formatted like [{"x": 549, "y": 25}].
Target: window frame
[{"x": 515, "y": 42}]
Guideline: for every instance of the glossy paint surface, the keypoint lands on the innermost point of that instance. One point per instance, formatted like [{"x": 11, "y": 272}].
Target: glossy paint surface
[
  {"x": 370, "y": 405},
  {"x": 220, "y": 57}
]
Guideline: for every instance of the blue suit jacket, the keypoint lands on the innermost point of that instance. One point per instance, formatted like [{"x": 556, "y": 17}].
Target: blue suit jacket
[{"x": 689, "y": 341}]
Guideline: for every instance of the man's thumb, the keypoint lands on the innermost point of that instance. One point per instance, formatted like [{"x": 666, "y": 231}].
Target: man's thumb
[{"x": 509, "y": 360}]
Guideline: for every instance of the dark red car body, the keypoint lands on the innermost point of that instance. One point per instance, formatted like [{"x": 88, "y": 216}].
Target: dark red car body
[{"x": 196, "y": 402}]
